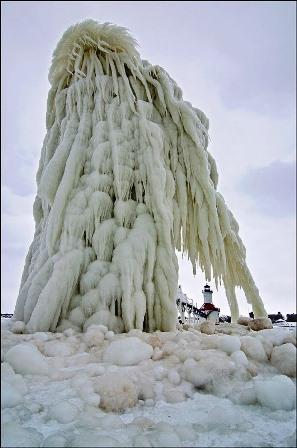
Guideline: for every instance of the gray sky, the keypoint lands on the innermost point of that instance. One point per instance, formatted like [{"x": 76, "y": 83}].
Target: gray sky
[{"x": 234, "y": 60}]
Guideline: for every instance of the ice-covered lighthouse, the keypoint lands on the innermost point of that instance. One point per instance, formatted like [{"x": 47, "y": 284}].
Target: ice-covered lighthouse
[{"x": 208, "y": 310}]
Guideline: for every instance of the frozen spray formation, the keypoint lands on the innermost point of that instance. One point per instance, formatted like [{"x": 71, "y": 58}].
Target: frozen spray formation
[{"x": 124, "y": 179}]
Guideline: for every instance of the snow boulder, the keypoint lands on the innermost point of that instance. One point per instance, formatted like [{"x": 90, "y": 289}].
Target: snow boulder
[
  {"x": 276, "y": 336},
  {"x": 207, "y": 327},
  {"x": 127, "y": 352},
  {"x": 106, "y": 319},
  {"x": 210, "y": 371},
  {"x": 94, "y": 336},
  {"x": 229, "y": 344},
  {"x": 18, "y": 327},
  {"x": 27, "y": 360},
  {"x": 253, "y": 348},
  {"x": 284, "y": 359},
  {"x": 243, "y": 320},
  {"x": 174, "y": 395},
  {"x": 276, "y": 393},
  {"x": 240, "y": 358},
  {"x": 117, "y": 392},
  {"x": 261, "y": 323}
]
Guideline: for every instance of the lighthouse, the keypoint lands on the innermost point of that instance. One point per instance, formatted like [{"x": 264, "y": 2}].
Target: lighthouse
[{"x": 208, "y": 311}]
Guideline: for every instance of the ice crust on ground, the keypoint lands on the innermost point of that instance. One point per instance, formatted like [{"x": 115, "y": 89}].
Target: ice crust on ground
[
  {"x": 201, "y": 390},
  {"x": 124, "y": 180}
]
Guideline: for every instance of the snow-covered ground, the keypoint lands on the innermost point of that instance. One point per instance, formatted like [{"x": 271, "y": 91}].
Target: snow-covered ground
[{"x": 233, "y": 388}]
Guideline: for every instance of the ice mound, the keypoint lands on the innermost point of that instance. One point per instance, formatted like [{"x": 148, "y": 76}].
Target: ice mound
[
  {"x": 278, "y": 392},
  {"x": 245, "y": 395},
  {"x": 207, "y": 327},
  {"x": 239, "y": 358},
  {"x": 117, "y": 392},
  {"x": 127, "y": 352},
  {"x": 284, "y": 359},
  {"x": 18, "y": 327},
  {"x": 94, "y": 335},
  {"x": 260, "y": 324},
  {"x": 243, "y": 320},
  {"x": 253, "y": 348},
  {"x": 276, "y": 336},
  {"x": 229, "y": 344},
  {"x": 208, "y": 371},
  {"x": 26, "y": 359}
]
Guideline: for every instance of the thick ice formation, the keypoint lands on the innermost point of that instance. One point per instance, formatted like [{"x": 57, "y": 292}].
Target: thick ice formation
[{"x": 124, "y": 179}]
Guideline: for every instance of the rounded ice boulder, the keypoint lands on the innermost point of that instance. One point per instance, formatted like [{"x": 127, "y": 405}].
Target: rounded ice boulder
[
  {"x": 276, "y": 393},
  {"x": 260, "y": 323},
  {"x": 284, "y": 359},
  {"x": 27, "y": 360},
  {"x": 207, "y": 327},
  {"x": 253, "y": 348},
  {"x": 127, "y": 352},
  {"x": 63, "y": 412}
]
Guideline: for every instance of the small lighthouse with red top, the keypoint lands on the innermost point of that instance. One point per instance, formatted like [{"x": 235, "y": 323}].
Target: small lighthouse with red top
[{"x": 208, "y": 310}]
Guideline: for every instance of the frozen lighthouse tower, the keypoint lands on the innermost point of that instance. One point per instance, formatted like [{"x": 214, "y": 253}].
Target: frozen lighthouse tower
[
  {"x": 124, "y": 180},
  {"x": 208, "y": 310}
]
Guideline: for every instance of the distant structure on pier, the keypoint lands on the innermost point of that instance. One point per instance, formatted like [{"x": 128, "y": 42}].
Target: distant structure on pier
[
  {"x": 190, "y": 313},
  {"x": 208, "y": 311},
  {"x": 276, "y": 317}
]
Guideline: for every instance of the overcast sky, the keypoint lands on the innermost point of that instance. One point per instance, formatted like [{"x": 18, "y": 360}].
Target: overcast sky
[{"x": 234, "y": 60}]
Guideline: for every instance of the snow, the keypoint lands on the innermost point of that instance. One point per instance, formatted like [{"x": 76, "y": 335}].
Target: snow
[
  {"x": 199, "y": 392},
  {"x": 15, "y": 435},
  {"x": 127, "y": 352},
  {"x": 10, "y": 397}
]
